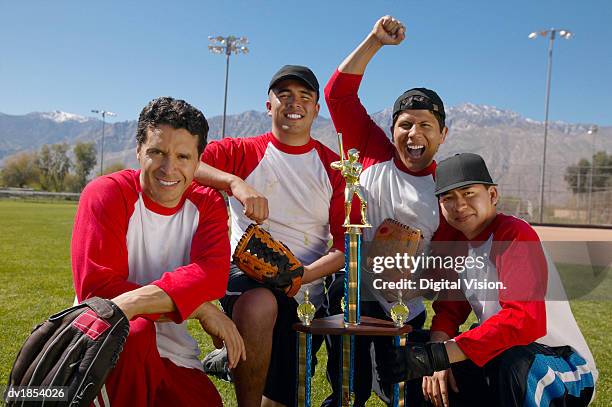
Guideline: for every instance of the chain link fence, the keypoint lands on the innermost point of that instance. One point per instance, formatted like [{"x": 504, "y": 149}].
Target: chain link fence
[{"x": 581, "y": 197}]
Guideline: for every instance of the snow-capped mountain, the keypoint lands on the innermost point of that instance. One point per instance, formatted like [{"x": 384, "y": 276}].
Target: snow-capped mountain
[
  {"x": 510, "y": 143},
  {"x": 61, "y": 117}
]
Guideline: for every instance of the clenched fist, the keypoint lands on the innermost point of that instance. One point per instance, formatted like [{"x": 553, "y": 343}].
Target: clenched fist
[{"x": 389, "y": 31}]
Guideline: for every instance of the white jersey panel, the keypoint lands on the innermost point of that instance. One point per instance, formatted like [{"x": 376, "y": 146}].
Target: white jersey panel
[
  {"x": 299, "y": 193},
  {"x": 393, "y": 193},
  {"x": 152, "y": 243},
  {"x": 561, "y": 327},
  {"x": 409, "y": 199}
]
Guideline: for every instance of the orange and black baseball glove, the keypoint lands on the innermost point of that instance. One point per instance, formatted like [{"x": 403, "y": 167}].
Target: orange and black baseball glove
[{"x": 268, "y": 261}]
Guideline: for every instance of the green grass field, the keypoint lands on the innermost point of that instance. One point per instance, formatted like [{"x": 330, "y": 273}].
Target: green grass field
[{"x": 35, "y": 281}]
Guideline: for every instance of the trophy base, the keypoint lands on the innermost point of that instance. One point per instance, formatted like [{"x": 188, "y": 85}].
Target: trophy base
[
  {"x": 368, "y": 326},
  {"x": 359, "y": 225}
]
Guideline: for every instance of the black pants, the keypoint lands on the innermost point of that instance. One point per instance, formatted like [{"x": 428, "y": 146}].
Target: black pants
[
  {"x": 503, "y": 381},
  {"x": 281, "y": 376},
  {"x": 364, "y": 382}
]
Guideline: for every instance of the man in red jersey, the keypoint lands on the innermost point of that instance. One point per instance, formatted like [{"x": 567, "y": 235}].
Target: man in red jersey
[
  {"x": 155, "y": 243},
  {"x": 398, "y": 180},
  {"x": 527, "y": 349},
  {"x": 305, "y": 206}
]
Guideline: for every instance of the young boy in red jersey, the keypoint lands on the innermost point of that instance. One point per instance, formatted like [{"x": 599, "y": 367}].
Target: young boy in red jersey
[{"x": 527, "y": 349}]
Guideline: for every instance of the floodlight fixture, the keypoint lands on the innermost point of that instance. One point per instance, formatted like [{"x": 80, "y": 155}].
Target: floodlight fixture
[
  {"x": 551, "y": 34},
  {"x": 227, "y": 45}
]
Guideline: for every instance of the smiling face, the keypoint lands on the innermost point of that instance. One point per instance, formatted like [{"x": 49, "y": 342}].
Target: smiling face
[
  {"x": 470, "y": 209},
  {"x": 417, "y": 137},
  {"x": 168, "y": 159},
  {"x": 293, "y": 107}
]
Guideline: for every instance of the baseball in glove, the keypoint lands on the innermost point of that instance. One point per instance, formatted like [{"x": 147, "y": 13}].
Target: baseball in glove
[
  {"x": 268, "y": 261},
  {"x": 74, "y": 349}
]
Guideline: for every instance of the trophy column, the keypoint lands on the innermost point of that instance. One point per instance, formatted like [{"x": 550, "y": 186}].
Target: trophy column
[
  {"x": 305, "y": 311},
  {"x": 350, "y": 323}
]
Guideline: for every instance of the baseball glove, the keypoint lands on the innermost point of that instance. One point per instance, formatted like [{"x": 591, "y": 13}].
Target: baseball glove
[
  {"x": 393, "y": 239},
  {"x": 75, "y": 348},
  {"x": 268, "y": 261}
]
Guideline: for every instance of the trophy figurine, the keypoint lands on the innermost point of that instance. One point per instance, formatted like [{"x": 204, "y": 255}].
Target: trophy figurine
[
  {"x": 351, "y": 170},
  {"x": 306, "y": 310},
  {"x": 399, "y": 311},
  {"x": 399, "y": 315}
]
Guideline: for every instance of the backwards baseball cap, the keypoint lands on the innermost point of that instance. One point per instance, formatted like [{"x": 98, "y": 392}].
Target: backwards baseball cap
[
  {"x": 298, "y": 72},
  {"x": 419, "y": 98},
  {"x": 461, "y": 170}
]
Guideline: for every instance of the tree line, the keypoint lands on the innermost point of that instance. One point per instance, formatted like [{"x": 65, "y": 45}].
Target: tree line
[
  {"x": 55, "y": 167},
  {"x": 590, "y": 176}
]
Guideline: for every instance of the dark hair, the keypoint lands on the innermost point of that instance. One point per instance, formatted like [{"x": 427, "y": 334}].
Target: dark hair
[
  {"x": 173, "y": 112},
  {"x": 437, "y": 115}
]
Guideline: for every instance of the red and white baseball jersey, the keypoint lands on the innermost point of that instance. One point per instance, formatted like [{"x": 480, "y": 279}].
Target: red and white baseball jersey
[
  {"x": 531, "y": 307},
  {"x": 305, "y": 196},
  {"x": 391, "y": 189},
  {"x": 123, "y": 240}
]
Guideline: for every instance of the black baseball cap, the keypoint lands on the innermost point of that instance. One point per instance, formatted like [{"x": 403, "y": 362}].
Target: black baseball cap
[
  {"x": 298, "y": 72},
  {"x": 419, "y": 98},
  {"x": 461, "y": 170}
]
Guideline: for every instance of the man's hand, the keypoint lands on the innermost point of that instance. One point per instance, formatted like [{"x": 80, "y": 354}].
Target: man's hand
[
  {"x": 386, "y": 31},
  {"x": 413, "y": 361},
  {"x": 435, "y": 388},
  {"x": 389, "y": 31},
  {"x": 222, "y": 330},
  {"x": 255, "y": 204}
]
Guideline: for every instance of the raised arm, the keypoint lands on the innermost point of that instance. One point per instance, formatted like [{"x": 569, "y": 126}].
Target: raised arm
[
  {"x": 348, "y": 114},
  {"x": 386, "y": 31}
]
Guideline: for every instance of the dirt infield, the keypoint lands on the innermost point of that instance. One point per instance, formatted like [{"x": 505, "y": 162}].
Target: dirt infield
[
  {"x": 569, "y": 234},
  {"x": 582, "y": 246}
]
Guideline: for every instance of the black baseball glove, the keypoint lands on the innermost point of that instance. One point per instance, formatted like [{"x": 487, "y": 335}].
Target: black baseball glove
[
  {"x": 412, "y": 361},
  {"x": 75, "y": 348}
]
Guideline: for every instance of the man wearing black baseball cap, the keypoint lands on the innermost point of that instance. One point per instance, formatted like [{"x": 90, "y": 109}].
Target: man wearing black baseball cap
[
  {"x": 297, "y": 72},
  {"x": 290, "y": 168},
  {"x": 398, "y": 179},
  {"x": 527, "y": 349}
]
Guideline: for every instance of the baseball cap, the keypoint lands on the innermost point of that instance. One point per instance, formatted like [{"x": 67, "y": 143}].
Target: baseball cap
[
  {"x": 419, "y": 98},
  {"x": 298, "y": 72},
  {"x": 461, "y": 170}
]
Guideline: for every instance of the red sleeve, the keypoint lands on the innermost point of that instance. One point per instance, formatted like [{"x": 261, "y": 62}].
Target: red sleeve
[
  {"x": 352, "y": 120},
  {"x": 522, "y": 268},
  {"x": 238, "y": 156},
  {"x": 224, "y": 154},
  {"x": 98, "y": 248},
  {"x": 449, "y": 315},
  {"x": 205, "y": 279}
]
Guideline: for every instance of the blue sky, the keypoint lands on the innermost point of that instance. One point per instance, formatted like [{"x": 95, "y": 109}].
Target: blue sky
[{"x": 117, "y": 55}]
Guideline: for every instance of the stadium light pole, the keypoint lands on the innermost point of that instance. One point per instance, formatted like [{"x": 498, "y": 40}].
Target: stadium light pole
[
  {"x": 227, "y": 46},
  {"x": 593, "y": 131},
  {"x": 551, "y": 34},
  {"x": 103, "y": 113}
]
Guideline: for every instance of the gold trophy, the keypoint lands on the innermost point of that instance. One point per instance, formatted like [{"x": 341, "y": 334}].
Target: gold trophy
[
  {"x": 350, "y": 322},
  {"x": 351, "y": 169}
]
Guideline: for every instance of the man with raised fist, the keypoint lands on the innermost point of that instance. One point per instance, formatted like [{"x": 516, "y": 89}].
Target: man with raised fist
[{"x": 397, "y": 178}]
